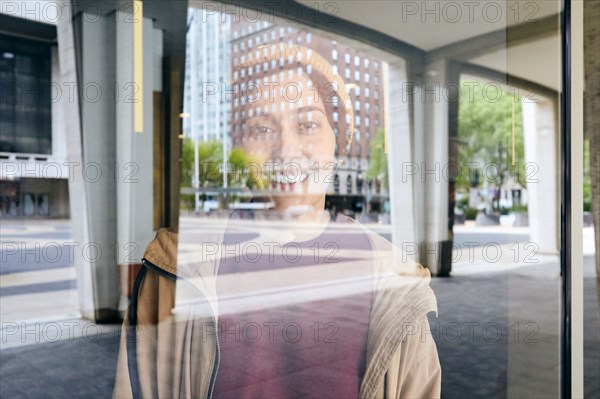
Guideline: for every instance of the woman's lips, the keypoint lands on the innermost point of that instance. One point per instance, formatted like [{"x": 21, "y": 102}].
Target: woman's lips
[{"x": 287, "y": 183}]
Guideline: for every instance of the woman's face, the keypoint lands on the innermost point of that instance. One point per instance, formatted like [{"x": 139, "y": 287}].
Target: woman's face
[{"x": 287, "y": 131}]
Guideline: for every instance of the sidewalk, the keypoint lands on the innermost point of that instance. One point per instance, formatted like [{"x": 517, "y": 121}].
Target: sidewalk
[
  {"x": 37, "y": 277},
  {"x": 53, "y": 354},
  {"x": 82, "y": 363}
]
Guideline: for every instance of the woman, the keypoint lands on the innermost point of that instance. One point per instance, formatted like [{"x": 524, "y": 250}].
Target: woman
[{"x": 300, "y": 308}]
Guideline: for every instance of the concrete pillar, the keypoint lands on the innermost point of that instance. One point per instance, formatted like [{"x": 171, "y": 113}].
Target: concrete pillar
[
  {"x": 402, "y": 168},
  {"x": 418, "y": 167},
  {"x": 96, "y": 52},
  {"x": 111, "y": 195},
  {"x": 77, "y": 190},
  {"x": 540, "y": 131}
]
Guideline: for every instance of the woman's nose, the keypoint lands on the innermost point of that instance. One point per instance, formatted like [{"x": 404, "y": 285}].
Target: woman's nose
[{"x": 290, "y": 146}]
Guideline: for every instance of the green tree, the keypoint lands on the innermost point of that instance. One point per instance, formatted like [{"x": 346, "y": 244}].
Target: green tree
[
  {"x": 486, "y": 119},
  {"x": 210, "y": 156},
  {"x": 378, "y": 166}
]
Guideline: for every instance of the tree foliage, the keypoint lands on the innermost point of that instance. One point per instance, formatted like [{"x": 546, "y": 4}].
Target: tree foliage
[
  {"x": 379, "y": 162},
  {"x": 210, "y": 159},
  {"x": 487, "y": 116}
]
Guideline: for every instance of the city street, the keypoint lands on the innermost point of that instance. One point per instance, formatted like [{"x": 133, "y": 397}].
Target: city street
[{"x": 38, "y": 281}]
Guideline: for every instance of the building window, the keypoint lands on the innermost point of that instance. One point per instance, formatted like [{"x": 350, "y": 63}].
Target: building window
[
  {"x": 25, "y": 115},
  {"x": 376, "y": 79},
  {"x": 367, "y": 121},
  {"x": 335, "y": 116},
  {"x": 367, "y": 77},
  {"x": 349, "y": 185},
  {"x": 357, "y": 120},
  {"x": 367, "y": 92},
  {"x": 376, "y": 95},
  {"x": 334, "y": 54},
  {"x": 335, "y": 69},
  {"x": 367, "y": 107},
  {"x": 366, "y": 63},
  {"x": 356, "y": 60},
  {"x": 357, "y": 105},
  {"x": 308, "y": 37},
  {"x": 376, "y": 65},
  {"x": 357, "y": 91},
  {"x": 347, "y": 73},
  {"x": 347, "y": 58},
  {"x": 356, "y": 75}
]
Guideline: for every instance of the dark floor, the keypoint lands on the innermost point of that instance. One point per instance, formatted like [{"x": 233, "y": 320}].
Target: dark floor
[{"x": 484, "y": 354}]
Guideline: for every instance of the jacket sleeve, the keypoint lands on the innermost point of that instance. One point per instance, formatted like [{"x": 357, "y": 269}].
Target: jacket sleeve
[{"x": 415, "y": 371}]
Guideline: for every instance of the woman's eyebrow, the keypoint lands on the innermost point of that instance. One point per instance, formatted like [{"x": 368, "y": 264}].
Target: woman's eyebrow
[
  {"x": 268, "y": 116},
  {"x": 310, "y": 108}
]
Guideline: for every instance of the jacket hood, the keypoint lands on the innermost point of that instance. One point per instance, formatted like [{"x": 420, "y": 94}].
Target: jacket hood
[{"x": 162, "y": 250}]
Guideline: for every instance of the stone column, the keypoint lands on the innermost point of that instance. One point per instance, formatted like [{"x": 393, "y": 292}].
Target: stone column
[{"x": 540, "y": 132}]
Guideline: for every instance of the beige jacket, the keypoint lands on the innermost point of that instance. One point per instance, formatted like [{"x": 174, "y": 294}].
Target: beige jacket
[{"x": 172, "y": 352}]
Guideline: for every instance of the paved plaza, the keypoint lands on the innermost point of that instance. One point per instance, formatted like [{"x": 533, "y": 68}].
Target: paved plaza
[{"x": 498, "y": 323}]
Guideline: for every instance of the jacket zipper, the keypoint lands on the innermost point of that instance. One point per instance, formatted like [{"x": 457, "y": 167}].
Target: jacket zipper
[
  {"x": 171, "y": 276},
  {"x": 213, "y": 377}
]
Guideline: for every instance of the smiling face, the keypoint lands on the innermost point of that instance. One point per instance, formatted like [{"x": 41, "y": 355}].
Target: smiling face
[{"x": 286, "y": 129}]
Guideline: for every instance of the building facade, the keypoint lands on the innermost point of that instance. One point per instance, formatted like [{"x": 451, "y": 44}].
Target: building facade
[
  {"x": 34, "y": 171},
  {"x": 207, "y": 68}
]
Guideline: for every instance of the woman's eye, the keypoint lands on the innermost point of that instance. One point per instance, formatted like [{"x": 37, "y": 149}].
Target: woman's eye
[
  {"x": 261, "y": 130},
  {"x": 307, "y": 127}
]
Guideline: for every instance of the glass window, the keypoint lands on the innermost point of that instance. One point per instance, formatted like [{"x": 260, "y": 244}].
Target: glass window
[
  {"x": 356, "y": 60},
  {"x": 334, "y": 54}
]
